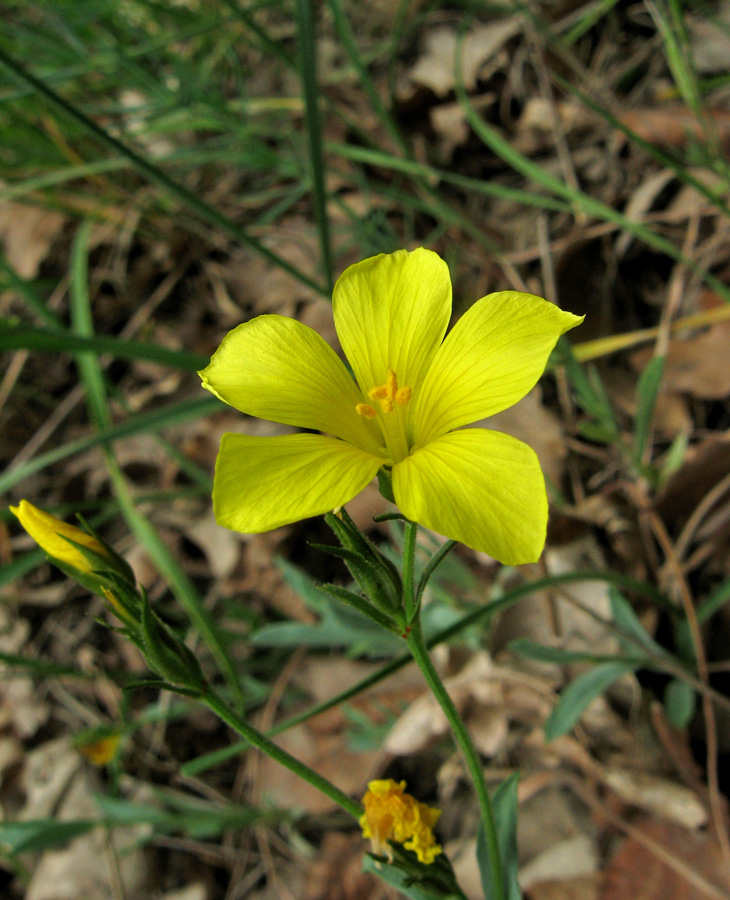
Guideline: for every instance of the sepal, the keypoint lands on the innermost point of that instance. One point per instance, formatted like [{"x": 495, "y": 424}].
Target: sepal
[
  {"x": 363, "y": 606},
  {"x": 166, "y": 654},
  {"x": 385, "y": 484},
  {"x": 388, "y": 578},
  {"x": 368, "y": 576}
]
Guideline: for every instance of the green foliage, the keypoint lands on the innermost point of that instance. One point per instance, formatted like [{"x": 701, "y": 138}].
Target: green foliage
[
  {"x": 579, "y": 693},
  {"x": 647, "y": 392},
  {"x": 339, "y": 625},
  {"x": 505, "y": 807},
  {"x": 680, "y": 703}
]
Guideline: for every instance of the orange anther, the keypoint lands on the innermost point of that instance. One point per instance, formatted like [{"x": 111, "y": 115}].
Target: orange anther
[{"x": 367, "y": 412}]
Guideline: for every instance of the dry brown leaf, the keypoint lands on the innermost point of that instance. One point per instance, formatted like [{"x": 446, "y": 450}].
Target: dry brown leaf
[
  {"x": 21, "y": 710},
  {"x": 255, "y": 285},
  {"x": 549, "y": 818},
  {"x": 336, "y": 873},
  {"x": 688, "y": 201},
  {"x": 222, "y": 547},
  {"x": 47, "y": 774},
  {"x": 531, "y": 422},
  {"x": 705, "y": 465},
  {"x": 322, "y": 742},
  {"x": 675, "y": 125},
  {"x": 671, "y": 413},
  {"x": 463, "y": 856},
  {"x": 328, "y": 754},
  {"x": 640, "y": 202},
  {"x": 536, "y": 126},
  {"x": 635, "y": 872},
  {"x": 572, "y": 857},
  {"x": 477, "y": 693},
  {"x": 698, "y": 365},
  {"x": 435, "y": 69},
  {"x": 450, "y": 124},
  {"x": 11, "y": 753},
  {"x": 195, "y": 891},
  {"x": 578, "y": 626},
  {"x": 585, "y": 887},
  {"x": 82, "y": 869},
  {"x": 710, "y": 39},
  {"x": 659, "y": 795},
  {"x": 27, "y": 234}
]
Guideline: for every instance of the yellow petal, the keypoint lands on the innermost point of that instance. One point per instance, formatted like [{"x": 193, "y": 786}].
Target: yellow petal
[
  {"x": 480, "y": 487},
  {"x": 51, "y": 535},
  {"x": 264, "y": 482},
  {"x": 490, "y": 359},
  {"x": 277, "y": 368},
  {"x": 391, "y": 313}
]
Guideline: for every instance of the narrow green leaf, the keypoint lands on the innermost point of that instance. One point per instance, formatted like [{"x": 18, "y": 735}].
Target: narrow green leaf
[
  {"x": 46, "y": 340},
  {"x": 308, "y": 71},
  {"x": 680, "y": 703},
  {"x": 361, "y": 605},
  {"x": 579, "y": 693},
  {"x": 41, "y": 834},
  {"x": 628, "y": 622},
  {"x": 505, "y": 806},
  {"x": 714, "y": 602},
  {"x": 485, "y": 611},
  {"x": 26, "y": 289},
  {"x": 647, "y": 392},
  {"x": 543, "y": 653}
]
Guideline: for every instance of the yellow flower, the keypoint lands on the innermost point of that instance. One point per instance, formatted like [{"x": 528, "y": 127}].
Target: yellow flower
[
  {"x": 411, "y": 393},
  {"x": 392, "y": 815},
  {"x": 53, "y": 536},
  {"x": 101, "y": 752}
]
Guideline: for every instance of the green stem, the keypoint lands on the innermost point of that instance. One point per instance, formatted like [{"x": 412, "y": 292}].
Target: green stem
[
  {"x": 409, "y": 553},
  {"x": 419, "y": 651},
  {"x": 258, "y": 740},
  {"x": 431, "y": 566}
]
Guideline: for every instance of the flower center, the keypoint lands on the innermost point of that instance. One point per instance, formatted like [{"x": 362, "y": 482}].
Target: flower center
[
  {"x": 391, "y": 400},
  {"x": 387, "y": 395}
]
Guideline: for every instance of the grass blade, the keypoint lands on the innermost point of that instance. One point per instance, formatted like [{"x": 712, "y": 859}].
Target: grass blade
[
  {"x": 520, "y": 163},
  {"x": 45, "y": 340},
  {"x": 163, "y": 560},
  {"x": 157, "y": 176},
  {"x": 308, "y": 66}
]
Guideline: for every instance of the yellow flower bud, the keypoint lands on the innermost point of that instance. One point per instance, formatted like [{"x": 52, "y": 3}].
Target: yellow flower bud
[{"x": 54, "y": 536}]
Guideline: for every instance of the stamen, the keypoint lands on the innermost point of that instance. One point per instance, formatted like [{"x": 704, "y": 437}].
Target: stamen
[
  {"x": 367, "y": 412},
  {"x": 389, "y": 393},
  {"x": 402, "y": 396}
]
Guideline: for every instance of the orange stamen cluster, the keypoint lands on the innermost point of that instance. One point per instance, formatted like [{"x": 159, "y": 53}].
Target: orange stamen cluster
[
  {"x": 387, "y": 395},
  {"x": 392, "y": 815}
]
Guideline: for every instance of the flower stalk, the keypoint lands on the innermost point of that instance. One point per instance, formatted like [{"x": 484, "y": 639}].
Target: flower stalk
[
  {"x": 419, "y": 651},
  {"x": 216, "y": 704}
]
